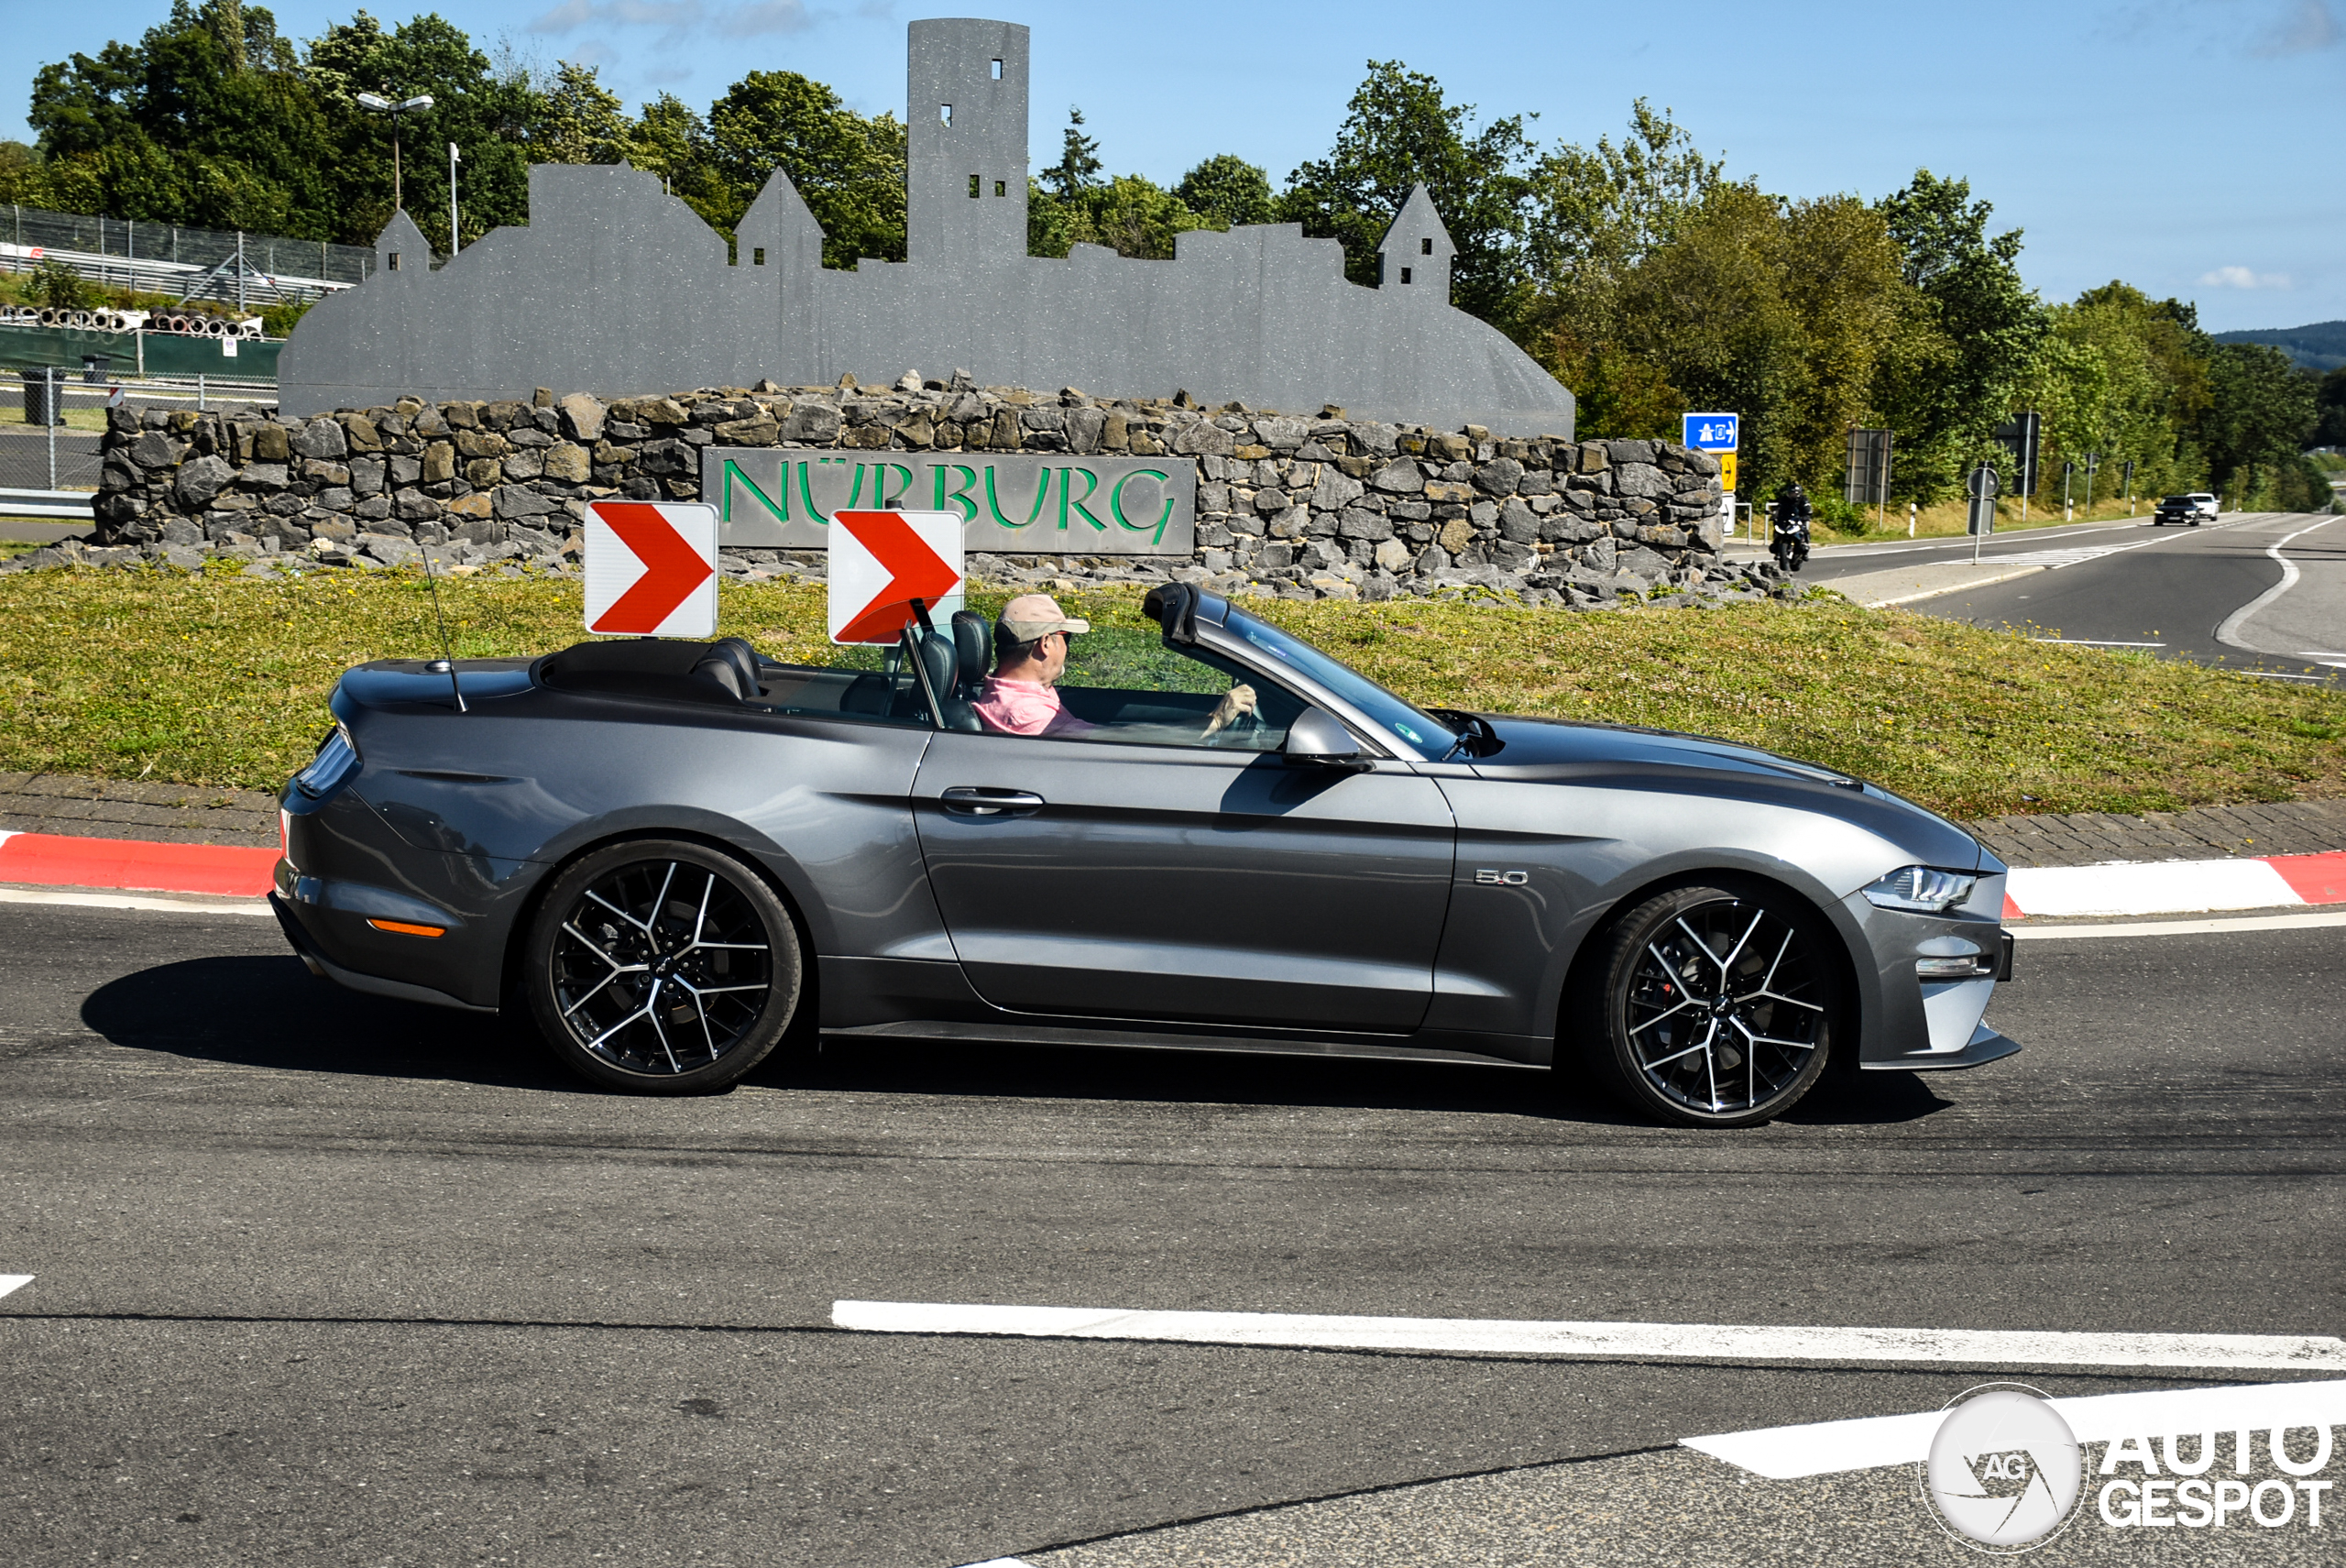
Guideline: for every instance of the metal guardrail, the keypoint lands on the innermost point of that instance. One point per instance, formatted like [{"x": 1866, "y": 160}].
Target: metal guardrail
[{"x": 221, "y": 264}]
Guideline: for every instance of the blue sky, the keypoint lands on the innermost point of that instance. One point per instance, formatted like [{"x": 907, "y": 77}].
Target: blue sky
[{"x": 2188, "y": 147}]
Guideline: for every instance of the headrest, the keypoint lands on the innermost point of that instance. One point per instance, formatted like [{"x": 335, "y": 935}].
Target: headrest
[
  {"x": 938, "y": 657},
  {"x": 973, "y": 645},
  {"x": 736, "y": 652},
  {"x": 721, "y": 673}
]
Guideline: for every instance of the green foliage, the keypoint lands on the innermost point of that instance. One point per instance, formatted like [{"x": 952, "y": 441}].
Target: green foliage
[
  {"x": 1227, "y": 190},
  {"x": 57, "y": 286},
  {"x": 2330, "y": 405},
  {"x": 1399, "y": 131},
  {"x": 277, "y": 320},
  {"x": 2262, "y": 410},
  {"x": 1127, "y": 214},
  {"x": 849, "y": 170},
  {"x": 1078, "y": 166}
]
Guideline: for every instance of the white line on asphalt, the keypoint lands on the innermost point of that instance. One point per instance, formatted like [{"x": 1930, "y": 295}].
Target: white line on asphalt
[
  {"x": 1640, "y": 1342},
  {"x": 2229, "y": 633},
  {"x": 13, "y": 1282},
  {"x": 131, "y": 901},
  {"x": 1825, "y": 1448},
  {"x": 2178, "y": 927},
  {"x": 2096, "y": 642},
  {"x": 2276, "y": 675}
]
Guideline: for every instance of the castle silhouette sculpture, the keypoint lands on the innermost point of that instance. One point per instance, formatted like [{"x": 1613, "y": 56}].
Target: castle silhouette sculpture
[{"x": 616, "y": 288}]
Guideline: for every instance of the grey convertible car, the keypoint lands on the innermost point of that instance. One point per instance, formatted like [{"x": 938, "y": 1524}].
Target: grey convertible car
[{"x": 677, "y": 856}]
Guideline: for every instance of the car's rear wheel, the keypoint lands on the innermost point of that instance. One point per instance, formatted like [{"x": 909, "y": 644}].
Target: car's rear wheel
[
  {"x": 1716, "y": 1005},
  {"x": 663, "y": 967}
]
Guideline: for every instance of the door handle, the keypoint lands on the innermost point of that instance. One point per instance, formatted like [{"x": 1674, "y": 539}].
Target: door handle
[{"x": 970, "y": 800}]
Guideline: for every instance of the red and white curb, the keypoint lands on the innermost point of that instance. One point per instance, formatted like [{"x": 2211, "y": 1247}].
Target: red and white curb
[
  {"x": 2175, "y": 887},
  {"x": 2115, "y": 888},
  {"x": 56, "y": 860}
]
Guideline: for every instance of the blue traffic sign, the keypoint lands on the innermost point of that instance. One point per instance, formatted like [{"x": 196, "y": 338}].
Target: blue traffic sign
[{"x": 1712, "y": 432}]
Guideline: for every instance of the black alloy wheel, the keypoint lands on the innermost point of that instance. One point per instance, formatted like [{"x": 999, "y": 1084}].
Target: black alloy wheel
[
  {"x": 663, "y": 968},
  {"x": 1716, "y": 1007}
]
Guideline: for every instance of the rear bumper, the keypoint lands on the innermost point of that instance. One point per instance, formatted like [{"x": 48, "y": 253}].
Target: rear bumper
[{"x": 371, "y": 985}]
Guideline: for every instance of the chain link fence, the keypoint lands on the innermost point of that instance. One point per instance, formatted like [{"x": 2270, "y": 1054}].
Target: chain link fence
[
  {"x": 229, "y": 266},
  {"x": 54, "y": 421}
]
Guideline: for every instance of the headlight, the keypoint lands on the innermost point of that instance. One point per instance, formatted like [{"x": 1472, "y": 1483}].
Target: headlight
[{"x": 1926, "y": 889}]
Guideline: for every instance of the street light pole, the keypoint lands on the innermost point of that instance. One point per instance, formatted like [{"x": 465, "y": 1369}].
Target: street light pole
[
  {"x": 453, "y": 158},
  {"x": 383, "y": 106}
]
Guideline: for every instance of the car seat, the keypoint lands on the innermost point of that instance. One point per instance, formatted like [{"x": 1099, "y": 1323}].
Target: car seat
[{"x": 972, "y": 659}]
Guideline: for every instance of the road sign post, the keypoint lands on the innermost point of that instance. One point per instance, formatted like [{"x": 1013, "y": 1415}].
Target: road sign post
[
  {"x": 883, "y": 561},
  {"x": 1720, "y": 434},
  {"x": 1982, "y": 487},
  {"x": 651, "y": 569}
]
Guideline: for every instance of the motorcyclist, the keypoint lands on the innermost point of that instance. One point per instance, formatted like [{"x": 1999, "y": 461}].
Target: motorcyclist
[{"x": 1789, "y": 542}]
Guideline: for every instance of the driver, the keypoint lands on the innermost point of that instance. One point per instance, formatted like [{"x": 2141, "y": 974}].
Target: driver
[{"x": 1030, "y": 648}]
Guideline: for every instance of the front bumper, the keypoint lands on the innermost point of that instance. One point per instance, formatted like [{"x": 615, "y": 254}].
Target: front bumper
[{"x": 1986, "y": 1046}]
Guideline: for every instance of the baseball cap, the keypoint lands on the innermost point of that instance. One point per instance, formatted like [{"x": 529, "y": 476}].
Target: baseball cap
[{"x": 1032, "y": 617}]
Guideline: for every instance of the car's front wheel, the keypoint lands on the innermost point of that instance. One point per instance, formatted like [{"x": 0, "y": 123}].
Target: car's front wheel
[
  {"x": 663, "y": 967},
  {"x": 1715, "y": 1007}
]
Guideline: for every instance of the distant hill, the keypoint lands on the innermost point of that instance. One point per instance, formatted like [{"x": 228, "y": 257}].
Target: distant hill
[{"x": 2320, "y": 346}]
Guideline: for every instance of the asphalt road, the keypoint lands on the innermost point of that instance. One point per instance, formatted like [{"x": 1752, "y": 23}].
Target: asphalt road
[
  {"x": 323, "y": 1278},
  {"x": 2190, "y": 593}
]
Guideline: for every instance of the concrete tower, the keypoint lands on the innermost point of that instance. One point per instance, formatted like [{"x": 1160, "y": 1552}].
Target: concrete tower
[{"x": 965, "y": 176}]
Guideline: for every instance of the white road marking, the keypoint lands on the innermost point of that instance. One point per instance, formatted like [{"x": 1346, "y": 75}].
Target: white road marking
[
  {"x": 2150, "y": 887},
  {"x": 2096, "y": 642},
  {"x": 132, "y": 901},
  {"x": 2229, "y": 633},
  {"x": 9, "y": 1282},
  {"x": 1639, "y": 1342},
  {"x": 2176, "y": 927},
  {"x": 2276, "y": 675},
  {"x": 1825, "y": 1448}
]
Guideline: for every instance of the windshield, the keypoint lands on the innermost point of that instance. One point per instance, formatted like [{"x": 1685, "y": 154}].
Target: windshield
[{"x": 1428, "y": 737}]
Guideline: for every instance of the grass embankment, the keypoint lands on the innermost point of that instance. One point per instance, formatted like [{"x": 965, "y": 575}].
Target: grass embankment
[
  {"x": 1951, "y": 519},
  {"x": 215, "y": 679}
]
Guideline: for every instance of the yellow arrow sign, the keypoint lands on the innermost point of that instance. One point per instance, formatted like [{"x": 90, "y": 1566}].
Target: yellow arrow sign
[{"x": 1727, "y": 472}]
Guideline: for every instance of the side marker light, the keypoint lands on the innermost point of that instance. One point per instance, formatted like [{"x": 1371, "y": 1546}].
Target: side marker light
[{"x": 407, "y": 928}]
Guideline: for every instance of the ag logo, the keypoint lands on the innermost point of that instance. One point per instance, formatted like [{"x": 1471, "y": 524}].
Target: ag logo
[{"x": 2004, "y": 1473}]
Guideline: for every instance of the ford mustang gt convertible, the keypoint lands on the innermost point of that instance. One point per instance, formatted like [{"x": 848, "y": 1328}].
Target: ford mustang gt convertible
[{"x": 676, "y": 856}]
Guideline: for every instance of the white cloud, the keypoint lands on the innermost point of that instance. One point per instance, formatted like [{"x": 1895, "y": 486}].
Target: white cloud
[
  {"x": 2308, "y": 26},
  {"x": 2242, "y": 278},
  {"x": 678, "y": 20}
]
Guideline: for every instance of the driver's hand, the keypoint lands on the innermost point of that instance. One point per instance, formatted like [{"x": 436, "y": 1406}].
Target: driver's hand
[{"x": 1236, "y": 704}]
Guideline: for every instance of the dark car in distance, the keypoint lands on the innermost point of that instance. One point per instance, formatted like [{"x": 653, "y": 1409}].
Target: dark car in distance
[
  {"x": 677, "y": 856},
  {"x": 2184, "y": 511}
]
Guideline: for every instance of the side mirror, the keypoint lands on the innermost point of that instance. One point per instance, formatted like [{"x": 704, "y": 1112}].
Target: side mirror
[{"x": 1316, "y": 740}]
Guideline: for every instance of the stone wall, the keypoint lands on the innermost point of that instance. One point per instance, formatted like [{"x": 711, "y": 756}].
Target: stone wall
[{"x": 1294, "y": 506}]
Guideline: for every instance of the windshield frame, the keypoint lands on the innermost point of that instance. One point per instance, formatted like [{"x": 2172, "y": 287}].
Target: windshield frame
[{"x": 1393, "y": 721}]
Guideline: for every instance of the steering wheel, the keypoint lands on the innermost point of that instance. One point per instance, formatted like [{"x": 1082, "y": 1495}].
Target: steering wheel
[{"x": 1245, "y": 724}]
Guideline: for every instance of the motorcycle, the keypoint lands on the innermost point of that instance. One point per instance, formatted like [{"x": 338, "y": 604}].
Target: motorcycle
[{"x": 1789, "y": 540}]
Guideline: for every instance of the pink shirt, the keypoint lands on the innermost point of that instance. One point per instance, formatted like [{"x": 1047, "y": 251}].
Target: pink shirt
[{"x": 1024, "y": 707}]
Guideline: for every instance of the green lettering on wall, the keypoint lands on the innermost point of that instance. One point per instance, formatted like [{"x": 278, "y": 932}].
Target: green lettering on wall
[
  {"x": 855, "y": 492},
  {"x": 1042, "y": 489},
  {"x": 880, "y": 499},
  {"x": 1116, "y": 504},
  {"x": 807, "y": 495},
  {"x": 1091, "y": 483},
  {"x": 733, "y": 476},
  {"x": 959, "y": 498}
]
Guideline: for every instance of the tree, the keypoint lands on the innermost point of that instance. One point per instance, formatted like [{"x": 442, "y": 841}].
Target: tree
[
  {"x": 1399, "y": 131},
  {"x": 849, "y": 170},
  {"x": 1078, "y": 164},
  {"x": 2330, "y": 400},
  {"x": 1967, "y": 341},
  {"x": 1228, "y": 191},
  {"x": 1597, "y": 213},
  {"x": 2261, "y": 410},
  {"x": 579, "y": 120}
]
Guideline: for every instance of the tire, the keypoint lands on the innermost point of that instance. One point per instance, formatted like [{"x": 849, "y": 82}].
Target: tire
[
  {"x": 1714, "y": 1006},
  {"x": 692, "y": 920}
]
